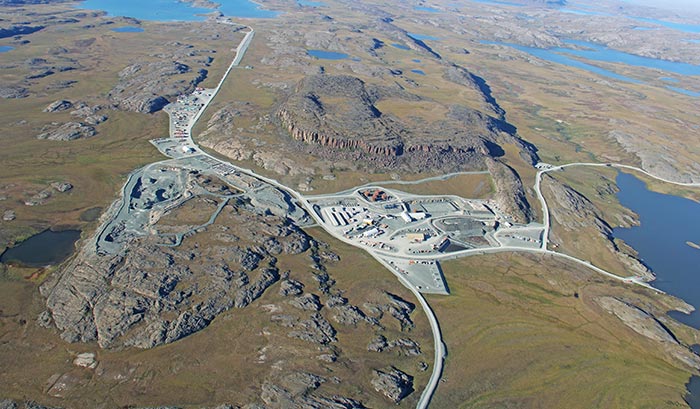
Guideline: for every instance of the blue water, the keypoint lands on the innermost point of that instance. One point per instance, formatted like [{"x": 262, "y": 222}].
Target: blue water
[
  {"x": 422, "y": 37},
  {"x": 595, "y": 52},
  {"x": 692, "y": 40},
  {"x": 498, "y": 3},
  {"x": 5, "y": 48},
  {"x": 584, "y": 12},
  {"x": 309, "y": 3},
  {"x": 327, "y": 55},
  {"x": 128, "y": 29},
  {"x": 416, "y": 60},
  {"x": 601, "y": 53},
  {"x": 640, "y": 28},
  {"x": 685, "y": 92},
  {"x": 666, "y": 224},
  {"x": 174, "y": 10},
  {"x": 555, "y": 55},
  {"x": 401, "y": 46},
  {"x": 669, "y": 79},
  {"x": 428, "y": 9},
  {"x": 688, "y": 28},
  {"x": 420, "y": 72}
]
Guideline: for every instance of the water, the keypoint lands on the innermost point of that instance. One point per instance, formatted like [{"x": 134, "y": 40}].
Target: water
[
  {"x": 601, "y": 53},
  {"x": 555, "y": 55},
  {"x": 327, "y": 55},
  {"x": 427, "y": 9},
  {"x": 422, "y": 37},
  {"x": 584, "y": 12},
  {"x": 684, "y": 91},
  {"x": 687, "y": 28},
  {"x": 669, "y": 79},
  {"x": 416, "y": 60},
  {"x": 128, "y": 29},
  {"x": 693, "y": 396},
  {"x": 595, "y": 52},
  {"x": 667, "y": 223},
  {"x": 309, "y": 3},
  {"x": 420, "y": 72},
  {"x": 401, "y": 46},
  {"x": 5, "y": 48},
  {"x": 46, "y": 248},
  {"x": 674, "y": 262},
  {"x": 174, "y": 10},
  {"x": 498, "y": 3}
]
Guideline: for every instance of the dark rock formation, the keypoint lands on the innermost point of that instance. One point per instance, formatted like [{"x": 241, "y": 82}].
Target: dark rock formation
[
  {"x": 392, "y": 383},
  {"x": 316, "y": 330},
  {"x": 68, "y": 132},
  {"x": 60, "y": 105},
  {"x": 307, "y": 302},
  {"x": 149, "y": 295},
  {"x": 339, "y": 115},
  {"x": 510, "y": 193},
  {"x": 17, "y": 30}
]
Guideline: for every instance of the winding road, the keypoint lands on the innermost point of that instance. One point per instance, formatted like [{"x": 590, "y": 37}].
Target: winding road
[{"x": 440, "y": 349}]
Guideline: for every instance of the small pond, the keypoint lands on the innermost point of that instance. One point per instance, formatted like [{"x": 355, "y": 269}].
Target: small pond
[
  {"x": 327, "y": 55},
  {"x": 46, "y": 248},
  {"x": 128, "y": 29}
]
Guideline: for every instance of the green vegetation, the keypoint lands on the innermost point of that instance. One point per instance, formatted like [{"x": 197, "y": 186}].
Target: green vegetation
[{"x": 524, "y": 332}]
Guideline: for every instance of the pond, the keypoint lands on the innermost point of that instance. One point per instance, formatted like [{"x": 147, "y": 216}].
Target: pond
[
  {"x": 426, "y": 9},
  {"x": 46, "y": 248},
  {"x": 400, "y": 46},
  {"x": 419, "y": 72},
  {"x": 174, "y": 10},
  {"x": 5, "y": 48},
  {"x": 128, "y": 29},
  {"x": 422, "y": 37},
  {"x": 327, "y": 55},
  {"x": 309, "y": 3}
]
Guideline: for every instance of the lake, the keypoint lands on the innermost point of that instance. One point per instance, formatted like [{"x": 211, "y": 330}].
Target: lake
[
  {"x": 422, "y": 37},
  {"x": 427, "y": 9},
  {"x": 128, "y": 29},
  {"x": 400, "y": 46},
  {"x": 174, "y": 10},
  {"x": 559, "y": 56},
  {"x": 687, "y": 28},
  {"x": 46, "y": 248},
  {"x": 327, "y": 55},
  {"x": 309, "y": 3},
  {"x": 693, "y": 396},
  {"x": 594, "y": 52},
  {"x": 667, "y": 223},
  {"x": 419, "y": 72},
  {"x": 498, "y": 3},
  {"x": 5, "y": 48}
]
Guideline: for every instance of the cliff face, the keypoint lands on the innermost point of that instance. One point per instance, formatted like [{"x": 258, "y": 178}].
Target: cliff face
[{"x": 339, "y": 115}]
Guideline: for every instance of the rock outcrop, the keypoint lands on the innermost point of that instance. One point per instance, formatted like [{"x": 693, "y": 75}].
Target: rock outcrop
[
  {"x": 340, "y": 115},
  {"x": 60, "y": 105},
  {"x": 68, "y": 131},
  {"x": 510, "y": 193},
  {"x": 145, "y": 87},
  {"x": 148, "y": 295},
  {"x": 392, "y": 383}
]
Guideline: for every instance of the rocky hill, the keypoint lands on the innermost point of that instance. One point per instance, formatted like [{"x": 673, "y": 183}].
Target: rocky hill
[{"x": 340, "y": 114}]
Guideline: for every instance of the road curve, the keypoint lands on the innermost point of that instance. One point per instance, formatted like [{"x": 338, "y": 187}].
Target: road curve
[{"x": 440, "y": 351}]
